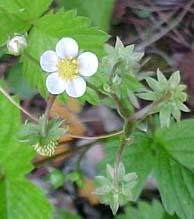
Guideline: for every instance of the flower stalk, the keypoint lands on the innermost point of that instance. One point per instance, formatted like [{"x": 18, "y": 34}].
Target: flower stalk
[{"x": 50, "y": 102}]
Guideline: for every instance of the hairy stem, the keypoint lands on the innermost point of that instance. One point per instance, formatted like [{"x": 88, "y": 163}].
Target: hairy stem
[
  {"x": 117, "y": 161},
  {"x": 50, "y": 102},
  {"x": 141, "y": 114}
]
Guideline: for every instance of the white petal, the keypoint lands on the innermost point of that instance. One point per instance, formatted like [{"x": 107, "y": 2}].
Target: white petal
[
  {"x": 48, "y": 61},
  {"x": 67, "y": 47},
  {"x": 55, "y": 84},
  {"x": 76, "y": 87},
  {"x": 88, "y": 64}
]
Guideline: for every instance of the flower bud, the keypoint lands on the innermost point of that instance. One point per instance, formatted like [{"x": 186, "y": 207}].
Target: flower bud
[{"x": 16, "y": 45}]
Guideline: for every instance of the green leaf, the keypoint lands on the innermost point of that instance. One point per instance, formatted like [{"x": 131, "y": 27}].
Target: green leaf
[
  {"x": 161, "y": 78},
  {"x": 90, "y": 96},
  {"x": 19, "y": 198},
  {"x": 175, "y": 79},
  {"x": 56, "y": 178},
  {"x": 178, "y": 140},
  {"x": 98, "y": 11},
  {"x": 17, "y": 16},
  {"x": 114, "y": 205},
  {"x": 19, "y": 85},
  {"x": 146, "y": 211},
  {"x": 153, "y": 84},
  {"x": 64, "y": 215},
  {"x": 48, "y": 31},
  {"x": 175, "y": 183},
  {"x": 164, "y": 116},
  {"x": 10, "y": 25},
  {"x": 147, "y": 96},
  {"x": 174, "y": 170},
  {"x": 27, "y": 10}
]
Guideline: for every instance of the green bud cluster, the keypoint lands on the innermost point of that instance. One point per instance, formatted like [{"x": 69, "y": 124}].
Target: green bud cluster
[
  {"x": 169, "y": 96},
  {"x": 121, "y": 66},
  {"x": 116, "y": 195}
]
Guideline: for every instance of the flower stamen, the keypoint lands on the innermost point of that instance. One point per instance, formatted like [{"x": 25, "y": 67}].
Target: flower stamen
[{"x": 67, "y": 68}]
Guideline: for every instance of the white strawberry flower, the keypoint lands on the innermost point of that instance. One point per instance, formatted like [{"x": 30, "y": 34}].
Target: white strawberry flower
[{"x": 66, "y": 68}]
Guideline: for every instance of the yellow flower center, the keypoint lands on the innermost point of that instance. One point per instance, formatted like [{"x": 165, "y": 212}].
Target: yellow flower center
[{"x": 67, "y": 68}]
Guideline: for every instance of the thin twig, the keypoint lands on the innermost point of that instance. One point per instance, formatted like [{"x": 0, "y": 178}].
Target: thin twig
[{"x": 17, "y": 105}]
